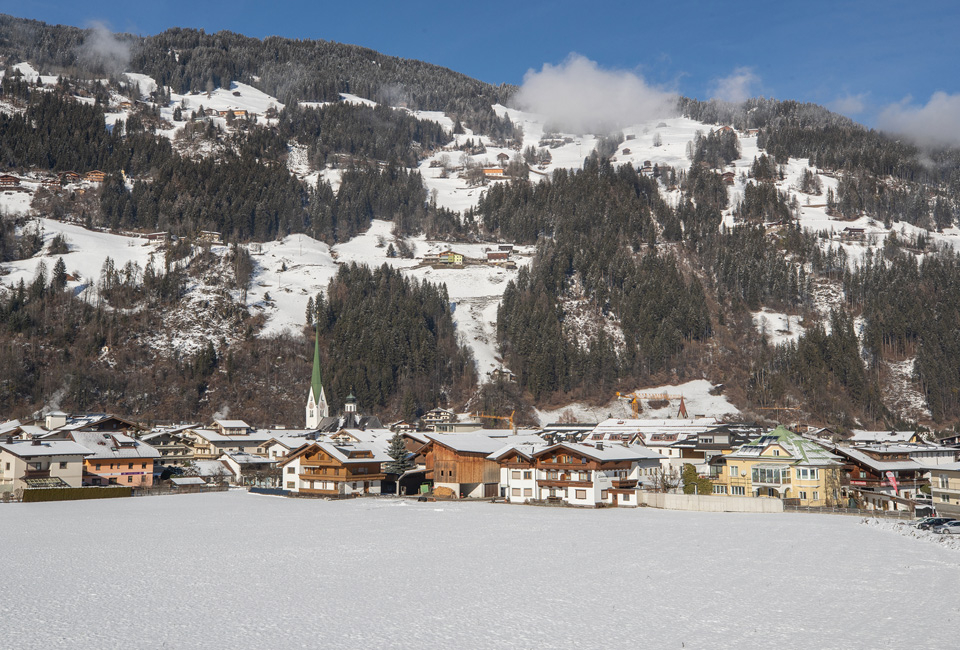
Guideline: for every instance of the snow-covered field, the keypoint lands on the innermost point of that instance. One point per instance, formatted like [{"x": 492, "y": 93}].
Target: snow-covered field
[{"x": 233, "y": 570}]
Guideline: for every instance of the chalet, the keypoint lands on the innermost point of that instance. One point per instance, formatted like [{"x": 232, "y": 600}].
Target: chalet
[
  {"x": 576, "y": 474},
  {"x": 725, "y": 129},
  {"x": 626, "y": 151},
  {"x": 459, "y": 466},
  {"x": 945, "y": 490},
  {"x": 157, "y": 236},
  {"x": 96, "y": 176},
  {"x": 280, "y": 446},
  {"x": 329, "y": 469},
  {"x": 125, "y": 105},
  {"x": 728, "y": 177},
  {"x": 780, "y": 464},
  {"x": 173, "y": 448},
  {"x": 40, "y": 463},
  {"x": 497, "y": 256},
  {"x": 436, "y": 416},
  {"x": 505, "y": 247},
  {"x": 882, "y": 477},
  {"x": 116, "y": 459},
  {"x": 853, "y": 234},
  {"x": 631, "y": 136},
  {"x": 451, "y": 258},
  {"x": 211, "y": 444},
  {"x": 69, "y": 177},
  {"x": 60, "y": 425},
  {"x": 501, "y": 374},
  {"x": 209, "y": 237},
  {"x": 503, "y": 159},
  {"x": 493, "y": 172},
  {"x": 250, "y": 470},
  {"x": 51, "y": 184},
  {"x": 6, "y": 180}
]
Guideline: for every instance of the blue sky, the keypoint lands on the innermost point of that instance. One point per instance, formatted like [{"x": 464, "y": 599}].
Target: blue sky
[{"x": 859, "y": 58}]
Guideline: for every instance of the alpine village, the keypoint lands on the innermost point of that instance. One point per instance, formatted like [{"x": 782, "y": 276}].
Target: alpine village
[{"x": 726, "y": 307}]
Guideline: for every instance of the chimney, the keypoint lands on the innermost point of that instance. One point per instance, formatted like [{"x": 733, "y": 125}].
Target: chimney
[
  {"x": 36, "y": 442},
  {"x": 599, "y": 445}
]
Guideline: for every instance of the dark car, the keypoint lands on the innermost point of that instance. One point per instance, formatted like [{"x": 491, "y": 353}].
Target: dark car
[
  {"x": 949, "y": 528},
  {"x": 931, "y": 522}
]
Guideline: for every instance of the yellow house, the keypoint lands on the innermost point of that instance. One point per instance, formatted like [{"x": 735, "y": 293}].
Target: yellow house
[
  {"x": 450, "y": 257},
  {"x": 945, "y": 488},
  {"x": 779, "y": 465}
]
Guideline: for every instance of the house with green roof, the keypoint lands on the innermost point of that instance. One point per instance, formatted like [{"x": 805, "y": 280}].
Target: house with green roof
[{"x": 780, "y": 465}]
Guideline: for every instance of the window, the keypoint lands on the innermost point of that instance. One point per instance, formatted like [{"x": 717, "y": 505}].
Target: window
[
  {"x": 944, "y": 497},
  {"x": 528, "y": 474},
  {"x": 129, "y": 479},
  {"x": 515, "y": 474},
  {"x": 733, "y": 470},
  {"x": 737, "y": 490},
  {"x": 944, "y": 480},
  {"x": 144, "y": 466},
  {"x": 290, "y": 484},
  {"x": 803, "y": 495},
  {"x": 131, "y": 466},
  {"x": 776, "y": 452},
  {"x": 515, "y": 492},
  {"x": 528, "y": 492},
  {"x": 581, "y": 494},
  {"x": 98, "y": 467},
  {"x": 603, "y": 495},
  {"x": 291, "y": 470},
  {"x": 816, "y": 495},
  {"x": 719, "y": 489},
  {"x": 863, "y": 474},
  {"x": 626, "y": 497},
  {"x": 63, "y": 465}
]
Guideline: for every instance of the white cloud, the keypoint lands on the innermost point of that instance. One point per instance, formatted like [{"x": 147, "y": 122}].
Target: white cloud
[
  {"x": 735, "y": 88},
  {"x": 849, "y": 104},
  {"x": 935, "y": 124},
  {"x": 578, "y": 96}
]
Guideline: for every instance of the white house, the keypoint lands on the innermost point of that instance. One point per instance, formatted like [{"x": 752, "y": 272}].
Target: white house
[{"x": 41, "y": 463}]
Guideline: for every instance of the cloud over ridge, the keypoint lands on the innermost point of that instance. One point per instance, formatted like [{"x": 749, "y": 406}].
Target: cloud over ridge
[{"x": 578, "y": 96}]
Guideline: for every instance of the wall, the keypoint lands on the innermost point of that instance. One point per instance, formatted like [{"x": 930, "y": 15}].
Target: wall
[{"x": 709, "y": 503}]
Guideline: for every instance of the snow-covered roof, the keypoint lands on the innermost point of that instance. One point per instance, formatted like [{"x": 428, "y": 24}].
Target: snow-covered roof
[
  {"x": 27, "y": 448},
  {"x": 879, "y": 465},
  {"x": 113, "y": 445},
  {"x": 528, "y": 449},
  {"x": 609, "y": 453},
  {"x": 480, "y": 443},
  {"x": 862, "y": 436},
  {"x": 252, "y": 438},
  {"x": 799, "y": 450},
  {"x": 232, "y": 424},
  {"x": 188, "y": 480},
  {"x": 243, "y": 458}
]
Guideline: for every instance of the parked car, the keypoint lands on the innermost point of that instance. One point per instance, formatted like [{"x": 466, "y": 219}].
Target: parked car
[
  {"x": 932, "y": 522},
  {"x": 949, "y": 528}
]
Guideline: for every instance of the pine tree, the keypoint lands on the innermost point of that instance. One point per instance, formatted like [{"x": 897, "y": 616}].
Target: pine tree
[{"x": 398, "y": 452}]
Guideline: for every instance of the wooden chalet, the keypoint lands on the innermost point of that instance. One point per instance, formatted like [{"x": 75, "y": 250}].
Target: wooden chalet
[
  {"x": 7, "y": 180},
  {"x": 69, "y": 177},
  {"x": 498, "y": 256},
  {"x": 459, "y": 466},
  {"x": 330, "y": 469},
  {"x": 96, "y": 176}
]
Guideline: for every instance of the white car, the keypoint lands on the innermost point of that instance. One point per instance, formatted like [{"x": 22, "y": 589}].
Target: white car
[{"x": 949, "y": 528}]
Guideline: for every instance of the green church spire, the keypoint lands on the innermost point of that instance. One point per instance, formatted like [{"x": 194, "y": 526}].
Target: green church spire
[{"x": 316, "y": 382}]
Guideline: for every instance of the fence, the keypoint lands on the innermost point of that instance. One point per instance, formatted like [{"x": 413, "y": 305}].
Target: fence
[
  {"x": 36, "y": 495},
  {"x": 856, "y": 512},
  {"x": 187, "y": 489},
  {"x": 275, "y": 492},
  {"x": 708, "y": 503}
]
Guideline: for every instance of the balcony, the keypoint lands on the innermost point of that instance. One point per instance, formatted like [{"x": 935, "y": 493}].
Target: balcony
[
  {"x": 559, "y": 483},
  {"x": 624, "y": 483},
  {"x": 36, "y": 473}
]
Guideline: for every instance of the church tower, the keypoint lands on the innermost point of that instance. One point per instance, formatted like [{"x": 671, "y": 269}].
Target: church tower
[{"x": 317, "y": 407}]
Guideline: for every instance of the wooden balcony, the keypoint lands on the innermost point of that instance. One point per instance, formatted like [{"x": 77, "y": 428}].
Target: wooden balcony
[
  {"x": 624, "y": 483},
  {"x": 559, "y": 483},
  {"x": 36, "y": 473}
]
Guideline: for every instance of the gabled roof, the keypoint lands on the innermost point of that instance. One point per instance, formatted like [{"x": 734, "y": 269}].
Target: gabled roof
[
  {"x": 27, "y": 448},
  {"x": 342, "y": 453},
  {"x": 799, "y": 450},
  {"x": 609, "y": 453},
  {"x": 479, "y": 443},
  {"x": 232, "y": 424},
  {"x": 113, "y": 445},
  {"x": 860, "y": 436},
  {"x": 527, "y": 450}
]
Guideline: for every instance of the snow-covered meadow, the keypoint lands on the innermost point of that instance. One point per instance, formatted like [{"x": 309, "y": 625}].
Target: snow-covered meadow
[{"x": 234, "y": 570}]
